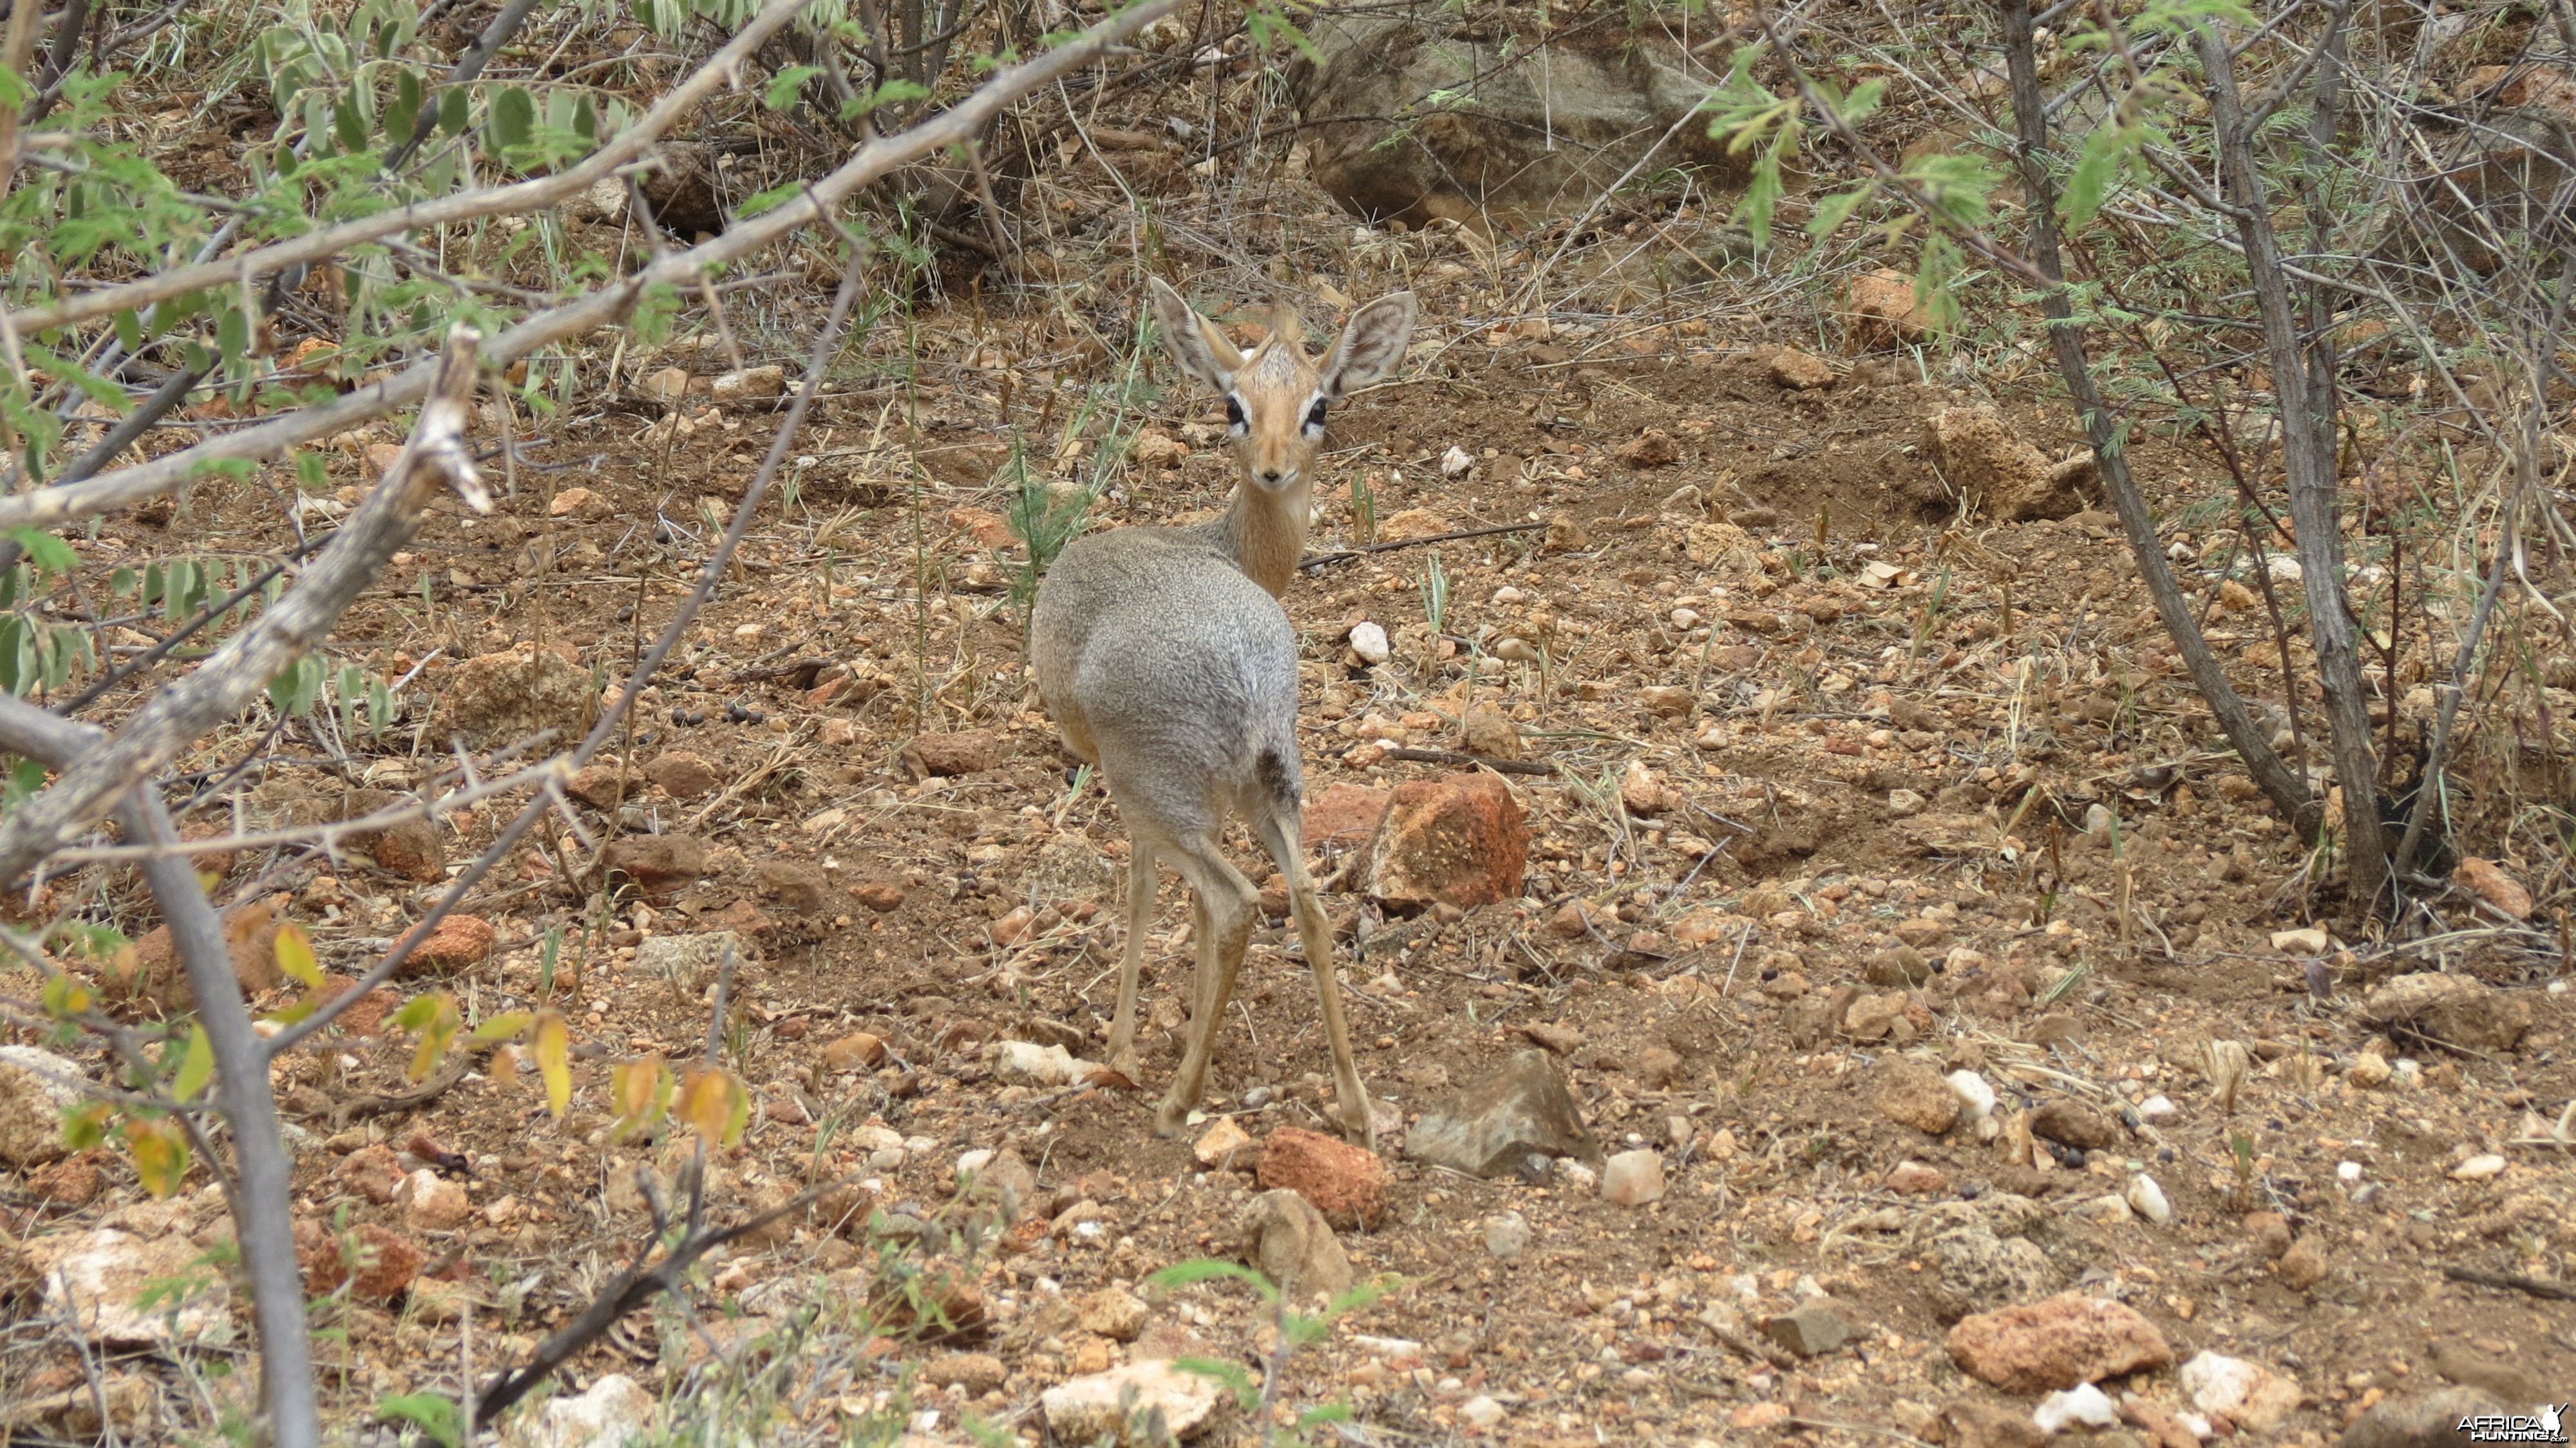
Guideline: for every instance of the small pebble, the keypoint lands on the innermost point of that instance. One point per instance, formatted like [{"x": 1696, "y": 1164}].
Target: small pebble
[
  {"x": 1633, "y": 1178},
  {"x": 1974, "y": 1093},
  {"x": 2083, "y": 1405}
]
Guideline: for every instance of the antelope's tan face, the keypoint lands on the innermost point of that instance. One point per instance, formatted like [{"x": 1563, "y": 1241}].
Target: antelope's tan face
[{"x": 1275, "y": 396}]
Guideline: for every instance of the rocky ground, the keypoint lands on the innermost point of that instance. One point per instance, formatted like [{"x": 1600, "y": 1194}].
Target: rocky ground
[{"x": 1820, "y": 974}]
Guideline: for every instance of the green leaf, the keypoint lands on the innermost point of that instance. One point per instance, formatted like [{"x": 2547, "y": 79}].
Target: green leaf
[
  {"x": 514, "y": 119},
  {"x": 404, "y": 113},
  {"x": 436, "y": 1416},
  {"x": 453, "y": 113},
  {"x": 232, "y": 335},
  {"x": 761, "y": 201},
  {"x": 85, "y": 1124},
  {"x": 281, "y": 690},
  {"x": 349, "y": 126},
  {"x": 1202, "y": 1269},
  {"x": 2108, "y": 154},
  {"x": 12, "y": 630},
  {"x": 196, "y": 1065},
  {"x": 1834, "y": 210},
  {"x": 129, "y": 331},
  {"x": 893, "y": 92},
  {"x": 1263, "y": 24},
  {"x": 1753, "y": 211},
  {"x": 1233, "y": 1375},
  {"x": 49, "y": 553},
  {"x": 782, "y": 89}
]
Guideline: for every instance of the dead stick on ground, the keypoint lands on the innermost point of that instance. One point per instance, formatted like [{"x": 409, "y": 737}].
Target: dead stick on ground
[
  {"x": 359, "y": 1107},
  {"x": 1451, "y": 756},
  {"x": 2534, "y": 1286}
]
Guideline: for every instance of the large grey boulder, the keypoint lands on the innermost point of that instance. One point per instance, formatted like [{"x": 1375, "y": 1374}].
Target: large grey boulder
[{"x": 1421, "y": 119}]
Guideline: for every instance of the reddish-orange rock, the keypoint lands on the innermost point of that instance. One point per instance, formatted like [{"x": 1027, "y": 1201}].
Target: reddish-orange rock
[
  {"x": 880, "y": 896},
  {"x": 250, "y": 930},
  {"x": 1346, "y": 1183},
  {"x": 385, "y": 1262},
  {"x": 2056, "y": 1343},
  {"x": 1346, "y": 814},
  {"x": 459, "y": 943},
  {"x": 1459, "y": 840}
]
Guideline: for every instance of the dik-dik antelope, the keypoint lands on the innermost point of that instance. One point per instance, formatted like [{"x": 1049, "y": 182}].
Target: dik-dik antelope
[{"x": 1168, "y": 663}]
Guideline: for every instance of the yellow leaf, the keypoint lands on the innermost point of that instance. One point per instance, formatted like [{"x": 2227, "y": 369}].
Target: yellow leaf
[
  {"x": 289, "y": 1015},
  {"x": 507, "y": 1026},
  {"x": 639, "y": 1089},
  {"x": 160, "y": 1153},
  {"x": 715, "y": 1105},
  {"x": 434, "y": 1016},
  {"x": 196, "y": 1065},
  {"x": 66, "y": 997},
  {"x": 294, "y": 950},
  {"x": 554, "y": 1060}
]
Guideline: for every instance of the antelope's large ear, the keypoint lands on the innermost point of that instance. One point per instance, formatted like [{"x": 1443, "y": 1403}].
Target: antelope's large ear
[
  {"x": 1371, "y": 345},
  {"x": 1192, "y": 340}
]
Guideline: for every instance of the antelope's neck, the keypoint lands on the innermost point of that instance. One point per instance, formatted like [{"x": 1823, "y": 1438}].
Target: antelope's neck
[{"x": 1264, "y": 533}]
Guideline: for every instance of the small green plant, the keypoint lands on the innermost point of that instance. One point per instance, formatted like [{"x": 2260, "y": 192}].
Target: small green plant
[
  {"x": 1930, "y": 617},
  {"x": 1045, "y": 518},
  {"x": 1294, "y": 1330},
  {"x": 1435, "y": 608},
  {"x": 2243, "y": 1148},
  {"x": 1364, "y": 509}
]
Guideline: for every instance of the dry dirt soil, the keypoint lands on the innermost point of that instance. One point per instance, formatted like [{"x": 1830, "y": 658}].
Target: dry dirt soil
[{"x": 1890, "y": 768}]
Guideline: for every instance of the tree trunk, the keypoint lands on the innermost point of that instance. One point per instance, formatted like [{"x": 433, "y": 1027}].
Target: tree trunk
[
  {"x": 2287, "y": 792},
  {"x": 2303, "y": 379}
]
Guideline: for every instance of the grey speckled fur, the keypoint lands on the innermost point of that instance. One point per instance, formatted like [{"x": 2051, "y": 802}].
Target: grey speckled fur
[{"x": 1175, "y": 674}]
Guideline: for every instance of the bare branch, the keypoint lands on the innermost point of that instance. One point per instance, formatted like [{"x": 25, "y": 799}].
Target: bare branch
[
  {"x": 261, "y": 1181},
  {"x": 263, "y": 1175},
  {"x": 328, "y": 836},
  {"x": 435, "y": 458},
  {"x": 52, "y": 506},
  {"x": 613, "y": 718},
  {"x": 722, "y": 69}
]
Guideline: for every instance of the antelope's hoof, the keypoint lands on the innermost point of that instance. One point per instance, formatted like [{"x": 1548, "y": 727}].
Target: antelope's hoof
[
  {"x": 1363, "y": 1133},
  {"x": 1127, "y": 1063},
  {"x": 1170, "y": 1118}
]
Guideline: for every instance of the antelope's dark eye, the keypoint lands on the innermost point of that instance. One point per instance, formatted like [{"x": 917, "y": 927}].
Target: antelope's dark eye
[
  {"x": 1315, "y": 414},
  {"x": 1233, "y": 412}
]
